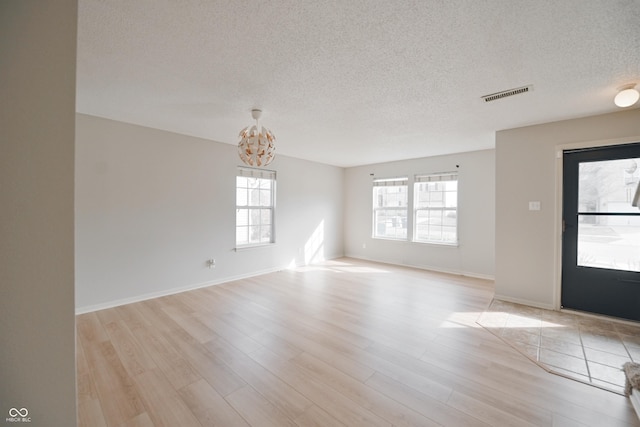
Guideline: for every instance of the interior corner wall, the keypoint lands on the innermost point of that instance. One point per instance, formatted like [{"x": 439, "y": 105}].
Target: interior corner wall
[
  {"x": 527, "y": 242},
  {"x": 474, "y": 256},
  {"x": 153, "y": 206},
  {"x": 37, "y": 114}
]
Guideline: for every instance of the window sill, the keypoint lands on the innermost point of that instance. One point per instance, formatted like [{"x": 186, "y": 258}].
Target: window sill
[
  {"x": 444, "y": 244},
  {"x": 249, "y": 247},
  {"x": 390, "y": 239}
]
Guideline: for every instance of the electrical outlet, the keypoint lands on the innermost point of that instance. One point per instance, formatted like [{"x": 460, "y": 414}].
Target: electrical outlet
[{"x": 211, "y": 263}]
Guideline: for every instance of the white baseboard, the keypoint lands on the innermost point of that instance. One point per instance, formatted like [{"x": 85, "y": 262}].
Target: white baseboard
[
  {"x": 173, "y": 291},
  {"x": 427, "y": 268},
  {"x": 523, "y": 302}
]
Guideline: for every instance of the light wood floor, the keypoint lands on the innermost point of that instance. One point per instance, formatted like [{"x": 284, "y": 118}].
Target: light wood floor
[{"x": 348, "y": 343}]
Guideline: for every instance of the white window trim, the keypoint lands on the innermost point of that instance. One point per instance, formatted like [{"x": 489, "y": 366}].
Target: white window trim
[
  {"x": 263, "y": 174},
  {"x": 402, "y": 181},
  {"x": 434, "y": 177}
]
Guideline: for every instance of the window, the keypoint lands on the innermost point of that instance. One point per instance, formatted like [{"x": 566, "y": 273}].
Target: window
[
  {"x": 255, "y": 204},
  {"x": 390, "y": 208},
  {"x": 436, "y": 208}
]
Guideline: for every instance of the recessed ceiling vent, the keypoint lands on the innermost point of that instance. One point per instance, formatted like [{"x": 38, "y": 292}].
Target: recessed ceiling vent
[{"x": 505, "y": 93}]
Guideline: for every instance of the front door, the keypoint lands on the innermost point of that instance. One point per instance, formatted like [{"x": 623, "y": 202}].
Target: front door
[{"x": 601, "y": 237}]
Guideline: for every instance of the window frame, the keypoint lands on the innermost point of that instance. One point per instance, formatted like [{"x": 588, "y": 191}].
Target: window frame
[
  {"x": 389, "y": 182},
  {"x": 441, "y": 177},
  {"x": 260, "y": 175}
]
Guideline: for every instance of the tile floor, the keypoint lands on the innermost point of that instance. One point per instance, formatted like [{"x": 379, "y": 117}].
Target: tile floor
[{"x": 585, "y": 348}]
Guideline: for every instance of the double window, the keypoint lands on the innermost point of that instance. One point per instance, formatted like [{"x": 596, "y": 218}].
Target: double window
[
  {"x": 255, "y": 206},
  {"x": 434, "y": 200}
]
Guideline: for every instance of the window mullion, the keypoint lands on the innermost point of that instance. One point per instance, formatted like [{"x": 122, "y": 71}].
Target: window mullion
[{"x": 409, "y": 214}]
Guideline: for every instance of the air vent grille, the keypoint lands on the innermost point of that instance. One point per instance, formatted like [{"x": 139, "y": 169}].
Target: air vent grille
[{"x": 505, "y": 93}]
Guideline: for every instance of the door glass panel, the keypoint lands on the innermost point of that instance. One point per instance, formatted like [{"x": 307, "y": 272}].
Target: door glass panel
[{"x": 607, "y": 238}]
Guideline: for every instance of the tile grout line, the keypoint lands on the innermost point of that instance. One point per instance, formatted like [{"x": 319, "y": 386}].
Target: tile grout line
[
  {"x": 626, "y": 348},
  {"x": 584, "y": 353}
]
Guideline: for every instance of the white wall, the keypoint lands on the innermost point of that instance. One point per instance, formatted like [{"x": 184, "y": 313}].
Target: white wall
[
  {"x": 153, "y": 206},
  {"x": 37, "y": 113},
  {"x": 527, "y": 242},
  {"x": 473, "y": 256}
]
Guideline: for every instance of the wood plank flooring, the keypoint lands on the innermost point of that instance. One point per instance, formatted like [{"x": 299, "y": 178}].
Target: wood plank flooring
[{"x": 345, "y": 343}]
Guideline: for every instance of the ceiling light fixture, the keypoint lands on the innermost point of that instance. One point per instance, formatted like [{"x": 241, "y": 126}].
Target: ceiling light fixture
[
  {"x": 627, "y": 96},
  {"x": 257, "y": 144}
]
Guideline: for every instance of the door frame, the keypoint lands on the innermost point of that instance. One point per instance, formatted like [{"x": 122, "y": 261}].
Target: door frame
[{"x": 559, "y": 151}]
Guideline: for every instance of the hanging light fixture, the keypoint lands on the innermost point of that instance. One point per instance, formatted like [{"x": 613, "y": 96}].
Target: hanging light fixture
[
  {"x": 257, "y": 144},
  {"x": 627, "y": 96}
]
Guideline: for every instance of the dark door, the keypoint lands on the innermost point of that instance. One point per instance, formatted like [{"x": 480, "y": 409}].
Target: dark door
[{"x": 601, "y": 238}]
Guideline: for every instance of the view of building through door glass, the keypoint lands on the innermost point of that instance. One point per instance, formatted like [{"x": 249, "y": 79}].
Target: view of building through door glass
[{"x": 607, "y": 238}]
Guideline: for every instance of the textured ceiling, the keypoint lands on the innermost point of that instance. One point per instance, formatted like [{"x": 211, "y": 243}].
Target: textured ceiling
[{"x": 352, "y": 82}]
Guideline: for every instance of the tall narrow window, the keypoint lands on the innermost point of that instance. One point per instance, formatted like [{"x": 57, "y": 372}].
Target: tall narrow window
[
  {"x": 390, "y": 208},
  {"x": 255, "y": 205},
  {"x": 436, "y": 208}
]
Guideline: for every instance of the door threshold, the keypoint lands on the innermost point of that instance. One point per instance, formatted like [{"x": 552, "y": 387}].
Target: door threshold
[{"x": 601, "y": 316}]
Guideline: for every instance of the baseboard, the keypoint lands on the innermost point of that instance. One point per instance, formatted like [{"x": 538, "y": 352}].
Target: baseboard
[
  {"x": 427, "y": 268},
  {"x": 523, "y": 302},
  {"x": 172, "y": 291}
]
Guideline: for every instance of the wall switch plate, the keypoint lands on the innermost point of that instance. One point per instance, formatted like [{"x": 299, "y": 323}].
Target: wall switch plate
[{"x": 534, "y": 206}]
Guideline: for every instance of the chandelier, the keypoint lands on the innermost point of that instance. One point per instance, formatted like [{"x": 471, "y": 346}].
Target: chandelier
[{"x": 256, "y": 146}]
